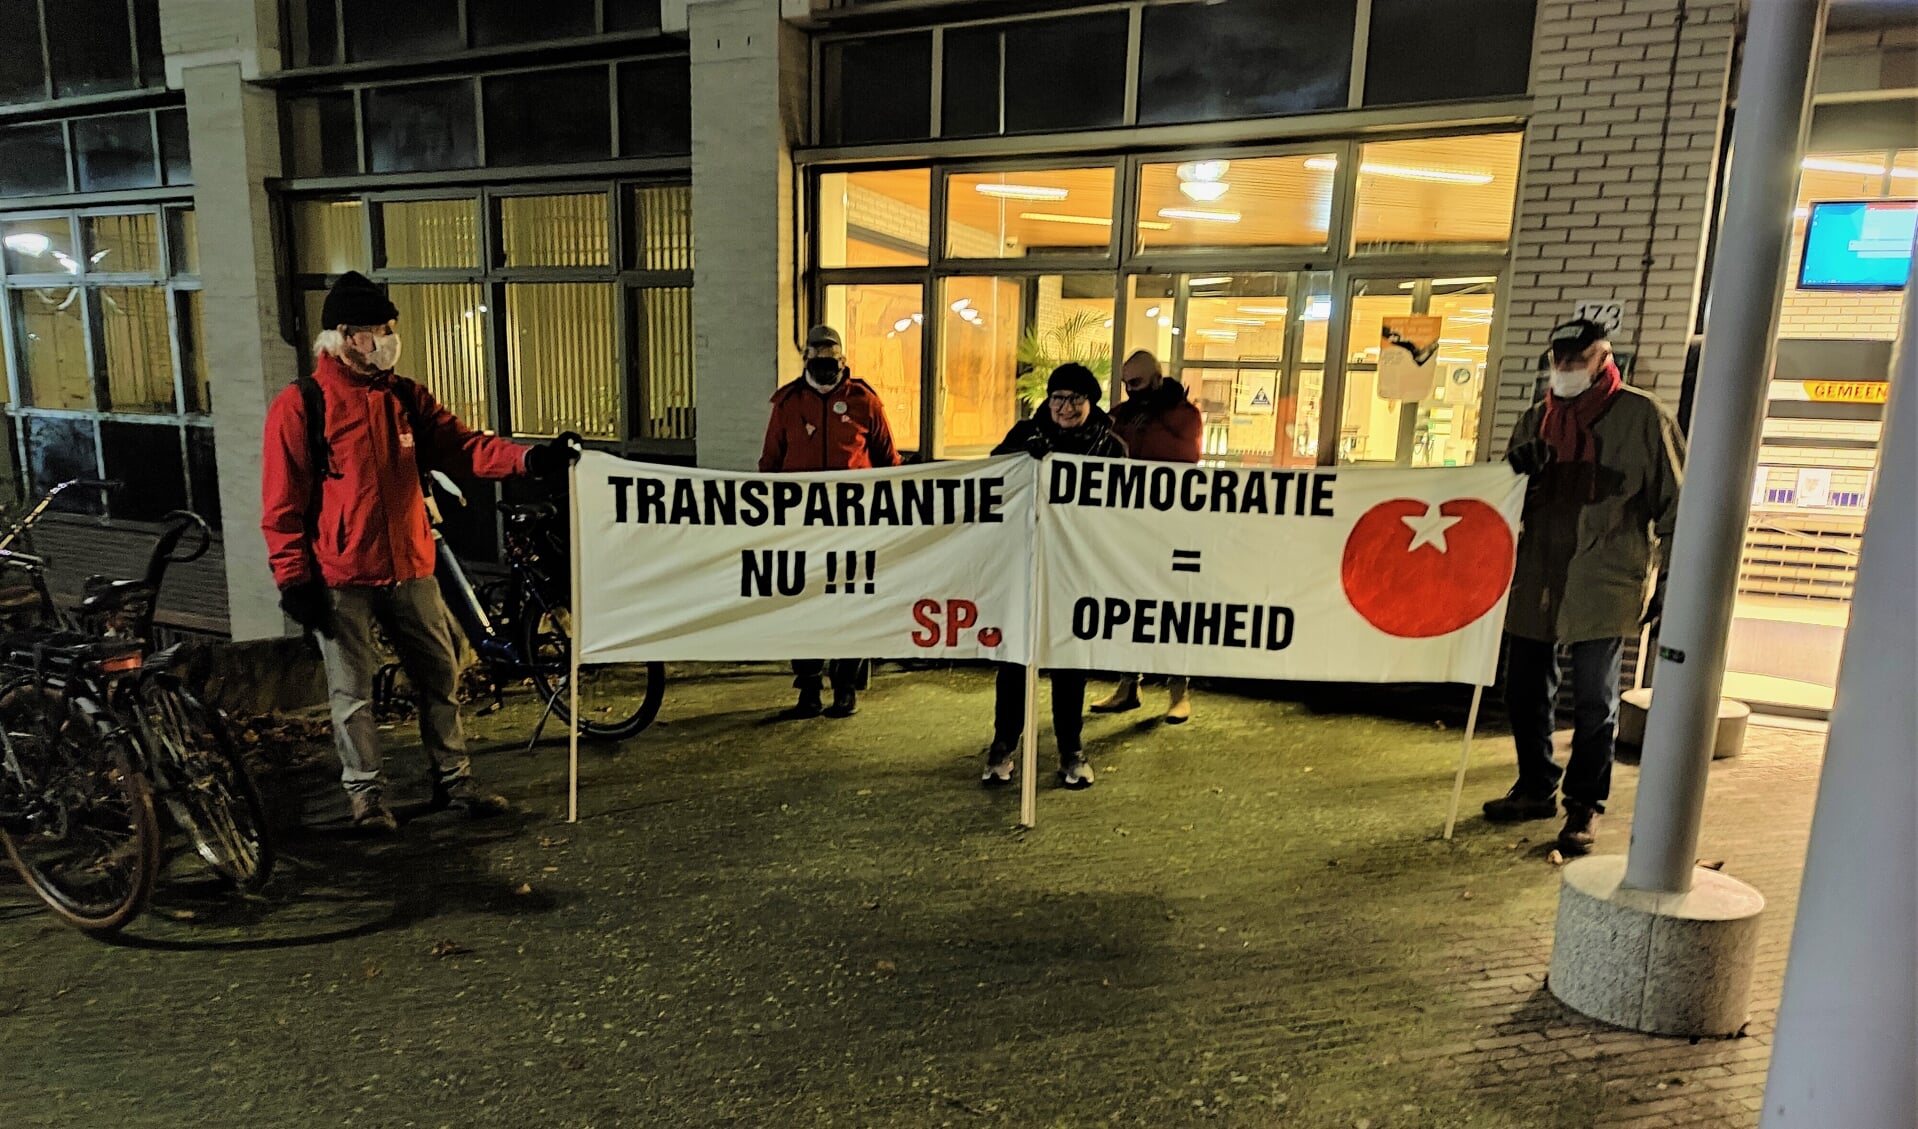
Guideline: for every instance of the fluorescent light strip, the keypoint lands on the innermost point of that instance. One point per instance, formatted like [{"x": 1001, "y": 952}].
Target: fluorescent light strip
[
  {"x": 1240, "y": 321},
  {"x": 1053, "y": 217},
  {"x": 1212, "y": 280},
  {"x": 1404, "y": 172},
  {"x": 1198, "y": 214},
  {"x": 1021, "y": 191}
]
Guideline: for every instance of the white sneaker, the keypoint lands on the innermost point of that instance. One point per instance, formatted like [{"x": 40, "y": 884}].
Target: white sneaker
[
  {"x": 1076, "y": 774},
  {"x": 998, "y": 772}
]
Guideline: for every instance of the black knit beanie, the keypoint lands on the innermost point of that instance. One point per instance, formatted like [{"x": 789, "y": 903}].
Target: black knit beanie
[
  {"x": 354, "y": 300},
  {"x": 1071, "y": 377}
]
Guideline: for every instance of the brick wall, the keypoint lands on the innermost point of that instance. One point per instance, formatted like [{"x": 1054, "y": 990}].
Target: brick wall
[{"x": 1600, "y": 70}]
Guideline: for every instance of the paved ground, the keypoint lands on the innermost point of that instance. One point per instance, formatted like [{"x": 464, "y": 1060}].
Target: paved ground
[{"x": 1249, "y": 921}]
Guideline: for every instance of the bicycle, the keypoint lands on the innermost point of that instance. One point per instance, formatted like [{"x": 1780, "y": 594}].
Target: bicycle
[
  {"x": 521, "y": 628},
  {"x": 91, "y": 728},
  {"x": 192, "y": 760}
]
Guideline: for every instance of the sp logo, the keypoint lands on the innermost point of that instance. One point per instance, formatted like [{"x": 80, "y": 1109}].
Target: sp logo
[{"x": 945, "y": 623}]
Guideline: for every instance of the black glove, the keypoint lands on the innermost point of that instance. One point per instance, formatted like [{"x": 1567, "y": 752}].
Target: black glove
[
  {"x": 551, "y": 458},
  {"x": 309, "y": 606},
  {"x": 1531, "y": 457},
  {"x": 1036, "y": 446}
]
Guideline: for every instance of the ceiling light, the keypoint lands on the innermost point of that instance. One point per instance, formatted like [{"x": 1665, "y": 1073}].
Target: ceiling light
[
  {"x": 1154, "y": 225},
  {"x": 1163, "y": 322},
  {"x": 959, "y": 307},
  {"x": 1212, "y": 280},
  {"x": 1221, "y": 334},
  {"x": 918, "y": 319},
  {"x": 1318, "y": 309},
  {"x": 1455, "y": 341},
  {"x": 1896, "y": 171},
  {"x": 1828, "y": 164},
  {"x": 1451, "y": 281},
  {"x": 1050, "y": 217},
  {"x": 1204, "y": 171},
  {"x": 1404, "y": 172},
  {"x": 1199, "y": 214},
  {"x": 1108, "y": 323},
  {"x": 1275, "y": 311},
  {"x": 902, "y": 325},
  {"x": 1240, "y": 321},
  {"x": 1020, "y": 191},
  {"x": 1800, "y": 213},
  {"x": 1204, "y": 191},
  {"x": 1152, "y": 311},
  {"x": 29, "y": 243}
]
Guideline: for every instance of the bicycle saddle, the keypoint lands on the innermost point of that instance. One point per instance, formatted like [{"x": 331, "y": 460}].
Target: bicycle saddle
[
  {"x": 111, "y": 595},
  {"x": 530, "y": 511}
]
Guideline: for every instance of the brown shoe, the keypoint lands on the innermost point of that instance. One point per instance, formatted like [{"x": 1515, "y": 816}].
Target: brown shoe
[
  {"x": 1124, "y": 697},
  {"x": 371, "y": 815},
  {"x": 468, "y": 798},
  {"x": 1581, "y": 830},
  {"x": 1178, "y": 706}
]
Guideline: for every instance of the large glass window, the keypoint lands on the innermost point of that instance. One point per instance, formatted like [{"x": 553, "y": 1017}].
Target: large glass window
[
  {"x": 877, "y": 89},
  {"x": 104, "y": 314},
  {"x": 116, "y": 152},
  {"x": 520, "y": 312},
  {"x": 1262, "y": 202},
  {"x": 1246, "y": 59},
  {"x": 1041, "y": 212},
  {"x": 1415, "y": 374},
  {"x": 1240, "y": 274},
  {"x": 522, "y": 129},
  {"x": 1486, "y": 46},
  {"x": 874, "y": 219},
  {"x": 884, "y": 331},
  {"x": 1002, "y": 78},
  {"x": 23, "y": 70},
  {"x": 1436, "y": 194},
  {"x": 421, "y": 126},
  {"x": 33, "y": 160}
]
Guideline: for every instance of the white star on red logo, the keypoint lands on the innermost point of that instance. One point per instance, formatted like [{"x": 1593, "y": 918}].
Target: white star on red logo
[{"x": 1429, "y": 529}]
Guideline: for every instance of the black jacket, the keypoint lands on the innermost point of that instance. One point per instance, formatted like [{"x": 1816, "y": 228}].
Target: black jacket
[{"x": 1041, "y": 435}]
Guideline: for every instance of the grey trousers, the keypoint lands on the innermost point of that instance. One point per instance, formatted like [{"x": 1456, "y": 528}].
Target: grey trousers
[{"x": 418, "y": 625}]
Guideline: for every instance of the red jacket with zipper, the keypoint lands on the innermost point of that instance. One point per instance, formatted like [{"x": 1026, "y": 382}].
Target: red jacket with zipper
[
  {"x": 843, "y": 429},
  {"x": 372, "y": 528}
]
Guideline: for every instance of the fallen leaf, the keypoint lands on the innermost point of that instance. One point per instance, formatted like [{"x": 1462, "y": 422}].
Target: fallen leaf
[
  {"x": 1712, "y": 864},
  {"x": 1466, "y": 894},
  {"x": 369, "y": 970},
  {"x": 1555, "y": 859},
  {"x": 886, "y": 966},
  {"x": 449, "y": 948},
  {"x": 523, "y": 888},
  {"x": 550, "y": 869},
  {"x": 549, "y": 841}
]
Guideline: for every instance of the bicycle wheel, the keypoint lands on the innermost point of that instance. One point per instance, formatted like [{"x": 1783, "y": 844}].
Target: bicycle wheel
[
  {"x": 85, "y": 837},
  {"x": 208, "y": 791},
  {"x": 616, "y": 700}
]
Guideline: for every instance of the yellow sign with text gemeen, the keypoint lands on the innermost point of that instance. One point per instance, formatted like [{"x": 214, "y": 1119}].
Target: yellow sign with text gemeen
[{"x": 1847, "y": 391}]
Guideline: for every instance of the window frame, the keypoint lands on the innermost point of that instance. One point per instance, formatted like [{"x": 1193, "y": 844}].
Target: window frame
[
  {"x": 1124, "y": 259},
  {"x": 166, "y": 280},
  {"x": 622, "y": 271}
]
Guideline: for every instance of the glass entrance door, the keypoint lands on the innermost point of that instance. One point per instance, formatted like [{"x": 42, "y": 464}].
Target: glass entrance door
[
  {"x": 1416, "y": 356},
  {"x": 1242, "y": 346}
]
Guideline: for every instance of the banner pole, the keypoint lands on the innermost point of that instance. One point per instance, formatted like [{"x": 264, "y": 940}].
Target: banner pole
[
  {"x": 1464, "y": 755},
  {"x": 1029, "y": 741},
  {"x": 1029, "y": 750},
  {"x": 572, "y": 650}
]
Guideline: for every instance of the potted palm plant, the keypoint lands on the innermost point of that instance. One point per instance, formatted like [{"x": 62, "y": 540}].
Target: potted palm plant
[{"x": 1081, "y": 337}]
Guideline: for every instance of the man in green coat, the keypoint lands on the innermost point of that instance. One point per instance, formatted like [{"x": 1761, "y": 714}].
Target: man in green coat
[{"x": 1605, "y": 462}]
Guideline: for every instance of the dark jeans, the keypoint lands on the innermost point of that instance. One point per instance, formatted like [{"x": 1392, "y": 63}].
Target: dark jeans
[
  {"x": 843, "y": 672},
  {"x": 1068, "y": 709},
  {"x": 1531, "y": 695}
]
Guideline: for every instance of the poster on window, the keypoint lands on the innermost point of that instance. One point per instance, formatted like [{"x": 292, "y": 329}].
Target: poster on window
[
  {"x": 1347, "y": 575},
  {"x": 1255, "y": 393},
  {"x": 1408, "y": 357},
  {"x": 701, "y": 565}
]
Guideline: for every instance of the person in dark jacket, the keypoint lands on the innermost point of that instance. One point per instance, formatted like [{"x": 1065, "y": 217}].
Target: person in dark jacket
[
  {"x": 828, "y": 419},
  {"x": 1157, "y": 423},
  {"x": 1069, "y": 423},
  {"x": 350, "y": 544},
  {"x": 1606, "y": 462}
]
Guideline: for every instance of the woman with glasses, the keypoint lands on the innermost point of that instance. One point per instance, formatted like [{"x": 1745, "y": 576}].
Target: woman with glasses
[{"x": 1070, "y": 423}]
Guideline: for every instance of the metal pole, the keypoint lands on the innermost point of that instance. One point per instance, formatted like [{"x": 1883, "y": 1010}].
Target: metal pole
[
  {"x": 1464, "y": 756},
  {"x": 1848, "y": 1025},
  {"x": 1774, "y": 93},
  {"x": 572, "y": 649}
]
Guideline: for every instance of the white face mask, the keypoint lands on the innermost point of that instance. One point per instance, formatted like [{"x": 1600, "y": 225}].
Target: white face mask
[
  {"x": 386, "y": 352},
  {"x": 1569, "y": 383}
]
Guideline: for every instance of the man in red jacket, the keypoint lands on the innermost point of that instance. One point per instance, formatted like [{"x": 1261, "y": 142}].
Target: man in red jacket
[
  {"x": 828, "y": 419},
  {"x": 350, "y": 544},
  {"x": 1158, "y": 423}
]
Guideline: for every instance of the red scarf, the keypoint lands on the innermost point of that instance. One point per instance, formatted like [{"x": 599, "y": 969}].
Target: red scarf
[{"x": 1567, "y": 425}]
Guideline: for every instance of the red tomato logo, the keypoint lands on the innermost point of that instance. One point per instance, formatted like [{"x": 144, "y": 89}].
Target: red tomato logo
[{"x": 1416, "y": 570}]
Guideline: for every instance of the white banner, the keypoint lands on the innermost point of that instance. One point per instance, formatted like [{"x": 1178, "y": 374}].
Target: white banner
[
  {"x": 698, "y": 565},
  {"x": 1315, "y": 574}
]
